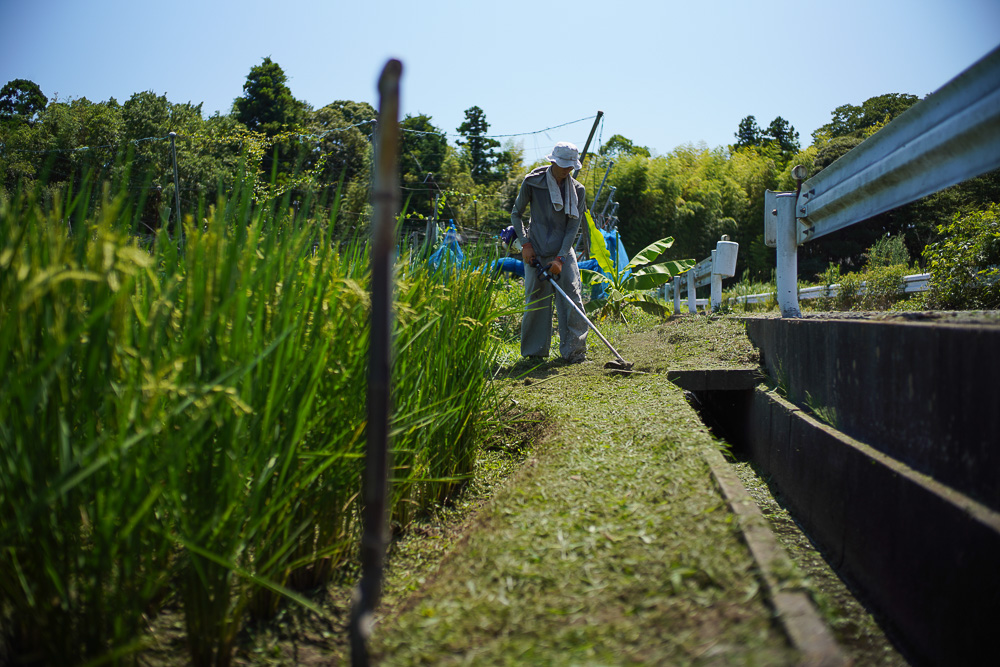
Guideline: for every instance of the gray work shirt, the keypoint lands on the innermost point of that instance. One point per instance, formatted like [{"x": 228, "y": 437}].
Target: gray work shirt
[{"x": 551, "y": 232}]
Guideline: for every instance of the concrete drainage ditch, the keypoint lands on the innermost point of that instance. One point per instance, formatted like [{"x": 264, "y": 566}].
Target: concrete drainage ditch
[{"x": 922, "y": 555}]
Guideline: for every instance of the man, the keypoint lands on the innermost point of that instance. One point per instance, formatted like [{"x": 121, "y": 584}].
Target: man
[{"x": 557, "y": 202}]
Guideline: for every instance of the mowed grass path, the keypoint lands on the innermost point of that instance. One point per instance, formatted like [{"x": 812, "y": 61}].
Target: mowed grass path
[{"x": 612, "y": 545}]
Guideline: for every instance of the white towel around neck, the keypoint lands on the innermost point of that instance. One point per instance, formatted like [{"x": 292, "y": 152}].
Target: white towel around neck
[{"x": 573, "y": 210}]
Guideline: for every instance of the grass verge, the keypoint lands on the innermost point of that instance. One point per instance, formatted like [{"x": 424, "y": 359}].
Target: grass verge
[{"x": 611, "y": 545}]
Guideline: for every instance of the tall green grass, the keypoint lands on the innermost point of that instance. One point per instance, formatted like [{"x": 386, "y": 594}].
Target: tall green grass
[{"x": 187, "y": 420}]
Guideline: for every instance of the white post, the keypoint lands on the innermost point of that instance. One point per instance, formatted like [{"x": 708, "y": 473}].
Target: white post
[
  {"x": 716, "y": 286},
  {"x": 787, "y": 260},
  {"x": 692, "y": 301},
  {"x": 677, "y": 295}
]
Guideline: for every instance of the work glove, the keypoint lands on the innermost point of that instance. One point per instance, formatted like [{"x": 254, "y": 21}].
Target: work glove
[{"x": 528, "y": 254}]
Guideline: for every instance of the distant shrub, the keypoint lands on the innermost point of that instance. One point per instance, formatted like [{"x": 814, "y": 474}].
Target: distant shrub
[
  {"x": 883, "y": 287},
  {"x": 965, "y": 263},
  {"x": 879, "y": 286},
  {"x": 887, "y": 251}
]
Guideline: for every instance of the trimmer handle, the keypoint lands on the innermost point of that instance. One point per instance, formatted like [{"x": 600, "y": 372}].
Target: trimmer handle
[{"x": 543, "y": 272}]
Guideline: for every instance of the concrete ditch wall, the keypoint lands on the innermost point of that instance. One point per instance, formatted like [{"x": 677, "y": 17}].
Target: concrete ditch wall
[
  {"x": 903, "y": 494},
  {"x": 925, "y": 394},
  {"x": 924, "y": 555}
]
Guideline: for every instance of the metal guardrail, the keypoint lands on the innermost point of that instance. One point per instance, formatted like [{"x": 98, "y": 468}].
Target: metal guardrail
[
  {"x": 711, "y": 270},
  {"x": 949, "y": 137},
  {"x": 917, "y": 282}
]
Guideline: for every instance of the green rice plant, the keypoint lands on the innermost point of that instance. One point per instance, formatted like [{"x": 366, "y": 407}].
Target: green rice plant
[
  {"x": 82, "y": 551},
  {"x": 272, "y": 317},
  {"x": 445, "y": 352},
  {"x": 189, "y": 418}
]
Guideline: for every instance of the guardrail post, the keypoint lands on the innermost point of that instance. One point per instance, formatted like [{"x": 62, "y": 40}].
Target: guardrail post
[
  {"x": 788, "y": 260},
  {"x": 677, "y": 295},
  {"x": 692, "y": 300}
]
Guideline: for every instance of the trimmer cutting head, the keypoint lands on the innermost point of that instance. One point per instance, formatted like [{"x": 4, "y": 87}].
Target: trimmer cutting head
[{"x": 619, "y": 366}]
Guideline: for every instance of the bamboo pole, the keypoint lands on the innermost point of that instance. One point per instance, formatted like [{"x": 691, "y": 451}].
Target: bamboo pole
[
  {"x": 178, "y": 224},
  {"x": 385, "y": 196}
]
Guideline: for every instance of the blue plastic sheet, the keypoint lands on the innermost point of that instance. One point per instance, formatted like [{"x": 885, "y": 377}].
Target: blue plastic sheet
[
  {"x": 510, "y": 265},
  {"x": 449, "y": 253}
]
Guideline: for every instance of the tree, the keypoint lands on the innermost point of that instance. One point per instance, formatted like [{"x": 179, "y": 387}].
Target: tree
[
  {"x": 207, "y": 152},
  {"x": 345, "y": 128},
  {"x": 267, "y": 104},
  {"x": 779, "y": 134},
  {"x": 618, "y": 146},
  {"x": 748, "y": 134},
  {"x": 479, "y": 147},
  {"x": 783, "y": 135},
  {"x": 850, "y": 120},
  {"x": 21, "y": 100},
  {"x": 423, "y": 149}
]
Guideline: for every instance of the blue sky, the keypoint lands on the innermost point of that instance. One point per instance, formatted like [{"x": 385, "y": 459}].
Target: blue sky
[{"x": 665, "y": 73}]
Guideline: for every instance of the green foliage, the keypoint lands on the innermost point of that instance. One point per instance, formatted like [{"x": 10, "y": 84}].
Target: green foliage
[
  {"x": 479, "y": 147},
  {"x": 748, "y": 133},
  {"x": 876, "y": 288},
  {"x": 783, "y": 135},
  {"x": 888, "y": 251},
  {"x": 779, "y": 135},
  {"x": 21, "y": 100},
  {"x": 879, "y": 286},
  {"x": 965, "y": 262},
  {"x": 267, "y": 104},
  {"x": 344, "y": 130},
  {"x": 689, "y": 195},
  {"x": 422, "y": 151},
  {"x": 618, "y": 146},
  {"x": 746, "y": 287},
  {"x": 188, "y": 419},
  {"x": 632, "y": 285},
  {"x": 853, "y": 120}
]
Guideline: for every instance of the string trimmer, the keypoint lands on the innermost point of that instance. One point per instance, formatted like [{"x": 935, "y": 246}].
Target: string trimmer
[{"x": 543, "y": 274}]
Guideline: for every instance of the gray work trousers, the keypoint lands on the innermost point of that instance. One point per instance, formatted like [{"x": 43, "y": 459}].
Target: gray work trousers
[{"x": 536, "y": 326}]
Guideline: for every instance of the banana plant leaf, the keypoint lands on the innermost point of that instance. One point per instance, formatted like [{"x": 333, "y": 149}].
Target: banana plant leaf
[
  {"x": 598, "y": 250},
  {"x": 651, "y": 277},
  {"x": 650, "y": 252}
]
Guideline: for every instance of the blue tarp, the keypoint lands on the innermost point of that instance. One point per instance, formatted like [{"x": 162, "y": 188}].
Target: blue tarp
[
  {"x": 510, "y": 265},
  {"x": 449, "y": 252}
]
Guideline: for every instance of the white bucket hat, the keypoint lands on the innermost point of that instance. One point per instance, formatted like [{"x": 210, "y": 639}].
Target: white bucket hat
[{"x": 565, "y": 154}]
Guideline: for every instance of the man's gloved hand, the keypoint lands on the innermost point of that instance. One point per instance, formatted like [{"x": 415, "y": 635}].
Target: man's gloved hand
[
  {"x": 556, "y": 267},
  {"x": 528, "y": 254}
]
